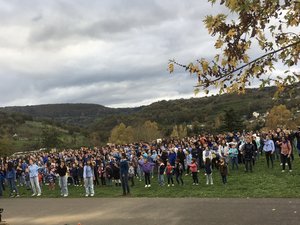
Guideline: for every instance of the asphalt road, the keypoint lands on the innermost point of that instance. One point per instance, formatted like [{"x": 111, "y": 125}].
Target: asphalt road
[{"x": 149, "y": 211}]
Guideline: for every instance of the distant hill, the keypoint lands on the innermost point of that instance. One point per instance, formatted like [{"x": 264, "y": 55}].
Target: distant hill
[
  {"x": 96, "y": 121},
  {"x": 71, "y": 114}
]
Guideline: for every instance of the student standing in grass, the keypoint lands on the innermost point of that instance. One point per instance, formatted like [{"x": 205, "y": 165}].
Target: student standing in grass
[
  {"x": 188, "y": 160},
  {"x": 88, "y": 176},
  {"x": 178, "y": 171},
  {"x": 146, "y": 168},
  {"x": 286, "y": 151},
  {"x": 248, "y": 151},
  {"x": 223, "y": 170},
  {"x": 124, "y": 174},
  {"x": 62, "y": 172},
  {"x": 269, "y": 149},
  {"x": 11, "y": 179},
  {"x": 169, "y": 172},
  {"x": 233, "y": 155},
  {"x": 131, "y": 173},
  {"x": 161, "y": 172},
  {"x": 34, "y": 180},
  {"x": 194, "y": 170},
  {"x": 208, "y": 171}
]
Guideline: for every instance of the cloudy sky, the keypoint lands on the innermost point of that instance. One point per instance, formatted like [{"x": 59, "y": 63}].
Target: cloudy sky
[{"x": 109, "y": 52}]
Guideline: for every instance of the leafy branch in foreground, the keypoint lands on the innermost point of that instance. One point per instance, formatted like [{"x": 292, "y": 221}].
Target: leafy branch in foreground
[{"x": 270, "y": 25}]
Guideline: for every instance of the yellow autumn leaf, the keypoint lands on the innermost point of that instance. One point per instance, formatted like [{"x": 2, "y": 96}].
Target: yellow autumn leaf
[
  {"x": 231, "y": 32},
  {"x": 171, "y": 67},
  {"x": 224, "y": 62},
  {"x": 256, "y": 69},
  {"x": 245, "y": 58},
  {"x": 219, "y": 43},
  {"x": 204, "y": 65}
]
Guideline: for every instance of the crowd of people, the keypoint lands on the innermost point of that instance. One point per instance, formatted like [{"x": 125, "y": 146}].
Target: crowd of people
[{"x": 167, "y": 159}]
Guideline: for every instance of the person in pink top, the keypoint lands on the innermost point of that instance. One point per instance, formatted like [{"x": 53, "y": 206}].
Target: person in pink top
[
  {"x": 194, "y": 170},
  {"x": 286, "y": 151}
]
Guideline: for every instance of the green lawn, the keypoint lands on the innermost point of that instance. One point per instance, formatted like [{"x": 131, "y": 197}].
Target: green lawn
[{"x": 262, "y": 183}]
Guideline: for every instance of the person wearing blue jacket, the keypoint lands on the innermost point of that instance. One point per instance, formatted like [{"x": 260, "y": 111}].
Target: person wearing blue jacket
[
  {"x": 88, "y": 176},
  {"x": 172, "y": 157},
  {"x": 34, "y": 178},
  {"x": 11, "y": 179},
  {"x": 124, "y": 174},
  {"x": 269, "y": 149}
]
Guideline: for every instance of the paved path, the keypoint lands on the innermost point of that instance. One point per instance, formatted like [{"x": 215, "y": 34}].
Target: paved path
[{"x": 146, "y": 211}]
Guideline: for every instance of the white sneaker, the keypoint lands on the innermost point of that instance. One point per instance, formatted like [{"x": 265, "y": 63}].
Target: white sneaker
[
  {"x": 39, "y": 195},
  {"x": 33, "y": 195},
  {"x": 206, "y": 183},
  {"x": 212, "y": 183},
  {"x": 86, "y": 195},
  {"x": 280, "y": 164},
  {"x": 282, "y": 171},
  {"x": 92, "y": 195},
  {"x": 291, "y": 171},
  {"x": 172, "y": 185},
  {"x": 65, "y": 196},
  {"x": 149, "y": 185},
  {"x": 168, "y": 185},
  {"x": 146, "y": 186},
  {"x": 193, "y": 183},
  {"x": 197, "y": 184},
  {"x": 286, "y": 164}
]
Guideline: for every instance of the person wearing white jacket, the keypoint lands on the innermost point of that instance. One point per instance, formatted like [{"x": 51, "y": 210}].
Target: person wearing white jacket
[
  {"x": 207, "y": 153},
  {"x": 223, "y": 151}
]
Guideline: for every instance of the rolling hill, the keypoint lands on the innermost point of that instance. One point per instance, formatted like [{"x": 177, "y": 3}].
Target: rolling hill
[{"x": 92, "y": 123}]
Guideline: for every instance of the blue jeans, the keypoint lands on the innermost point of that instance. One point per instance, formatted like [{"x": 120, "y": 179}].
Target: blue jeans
[
  {"x": 161, "y": 180},
  {"x": 64, "y": 185},
  {"x": 124, "y": 181},
  {"x": 234, "y": 161},
  {"x": 12, "y": 186}
]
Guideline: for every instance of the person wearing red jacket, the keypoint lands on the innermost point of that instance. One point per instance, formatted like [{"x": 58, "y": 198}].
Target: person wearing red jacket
[
  {"x": 169, "y": 172},
  {"x": 194, "y": 170}
]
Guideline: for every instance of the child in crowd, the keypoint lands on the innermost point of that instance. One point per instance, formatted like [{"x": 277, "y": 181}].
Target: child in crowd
[
  {"x": 131, "y": 174},
  {"x": 75, "y": 174},
  {"x": 146, "y": 168},
  {"x": 208, "y": 171},
  {"x": 51, "y": 178},
  {"x": 161, "y": 172},
  {"x": 101, "y": 171},
  {"x": 178, "y": 171},
  {"x": 109, "y": 174},
  {"x": 223, "y": 170},
  {"x": 27, "y": 179},
  {"x": 80, "y": 173},
  {"x": 233, "y": 155},
  {"x": 194, "y": 170},
  {"x": 169, "y": 172},
  {"x": 88, "y": 176},
  {"x": 188, "y": 161}
]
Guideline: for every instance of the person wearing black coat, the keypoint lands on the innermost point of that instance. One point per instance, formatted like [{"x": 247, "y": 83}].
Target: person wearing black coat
[
  {"x": 248, "y": 152},
  {"x": 62, "y": 172},
  {"x": 181, "y": 157}
]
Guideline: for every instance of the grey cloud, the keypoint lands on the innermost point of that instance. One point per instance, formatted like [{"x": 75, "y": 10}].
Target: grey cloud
[{"x": 108, "y": 52}]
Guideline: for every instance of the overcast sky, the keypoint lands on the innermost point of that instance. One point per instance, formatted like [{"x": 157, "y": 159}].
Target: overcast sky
[
  {"x": 113, "y": 52},
  {"x": 109, "y": 52}
]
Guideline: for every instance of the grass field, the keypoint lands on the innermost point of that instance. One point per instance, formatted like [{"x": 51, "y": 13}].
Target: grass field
[{"x": 262, "y": 183}]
